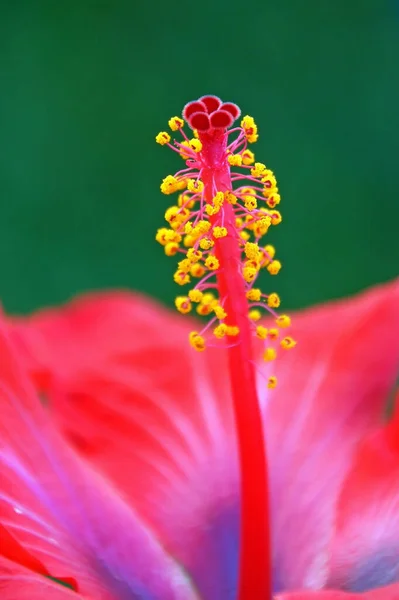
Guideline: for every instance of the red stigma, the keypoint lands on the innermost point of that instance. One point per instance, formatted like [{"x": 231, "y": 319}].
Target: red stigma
[{"x": 209, "y": 113}]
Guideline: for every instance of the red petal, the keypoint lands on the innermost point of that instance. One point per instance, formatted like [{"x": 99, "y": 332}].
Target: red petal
[
  {"x": 18, "y": 583},
  {"x": 12, "y": 549},
  {"x": 332, "y": 390},
  {"x": 85, "y": 333},
  {"x": 212, "y": 103},
  {"x": 365, "y": 550}
]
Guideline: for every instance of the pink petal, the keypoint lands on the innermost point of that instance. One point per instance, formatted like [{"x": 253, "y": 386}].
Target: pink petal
[
  {"x": 365, "y": 549},
  {"x": 332, "y": 390},
  {"x": 390, "y": 592},
  {"x": 18, "y": 583},
  {"x": 64, "y": 513}
]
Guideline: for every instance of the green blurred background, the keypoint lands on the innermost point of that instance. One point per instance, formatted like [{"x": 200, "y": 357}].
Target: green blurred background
[{"x": 86, "y": 85}]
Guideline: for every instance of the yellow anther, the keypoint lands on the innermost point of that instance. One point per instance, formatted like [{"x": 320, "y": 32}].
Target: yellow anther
[
  {"x": 173, "y": 213},
  {"x": 233, "y": 330},
  {"x": 272, "y": 382},
  {"x": 195, "y": 133},
  {"x": 218, "y": 200},
  {"x": 269, "y": 354},
  {"x": 248, "y": 191},
  {"x": 171, "y": 248},
  {"x": 189, "y": 241},
  {"x": 276, "y": 217},
  {"x": 194, "y": 255},
  {"x": 250, "y": 129},
  {"x": 263, "y": 224},
  {"x": 197, "y": 270},
  {"x": 250, "y": 203},
  {"x": 220, "y": 312},
  {"x": 235, "y": 160},
  {"x": 211, "y": 210},
  {"x": 245, "y": 235},
  {"x": 255, "y": 314},
  {"x": 188, "y": 227},
  {"x": 162, "y": 138},
  {"x": 195, "y": 295},
  {"x": 249, "y": 273},
  {"x": 287, "y": 343},
  {"x": 175, "y": 123},
  {"x": 182, "y": 184},
  {"x": 202, "y": 227},
  {"x": 181, "y": 215},
  {"x": 273, "y": 200},
  {"x": 230, "y": 198},
  {"x": 206, "y": 243},
  {"x": 273, "y": 333},
  {"x": 219, "y": 232},
  {"x": 252, "y": 138},
  {"x": 220, "y": 331},
  {"x": 185, "y": 200},
  {"x": 197, "y": 341},
  {"x": 209, "y": 298},
  {"x": 181, "y": 277},
  {"x": 273, "y": 300},
  {"x": 212, "y": 263},
  {"x": 254, "y": 294},
  {"x": 248, "y": 157},
  {"x": 274, "y": 267},
  {"x": 184, "y": 265},
  {"x": 195, "y": 185},
  {"x": 261, "y": 332},
  {"x": 270, "y": 250},
  {"x": 207, "y": 304},
  {"x": 239, "y": 222},
  {"x": 204, "y": 310},
  {"x": 253, "y": 262},
  {"x": 172, "y": 236},
  {"x": 183, "y": 304},
  {"x": 169, "y": 185},
  {"x": 258, "y": 170},
  {"x": 249, "y": 222},
  {"x": 252, "y": 251},
  {"x": 269, "y": 179},
  {"x": 283, "y": 321},
  {"x": 195, "y": 145},
  {"x": 176, "y": 223},
  {"x": 161, "y": 236},
  {"x": 183, "y": 154}
]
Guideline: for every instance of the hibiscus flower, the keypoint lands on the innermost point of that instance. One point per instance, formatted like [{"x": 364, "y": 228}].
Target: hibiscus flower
[
  {"x": 128, "y": 486},
  {"x": 158, "y": 473}
]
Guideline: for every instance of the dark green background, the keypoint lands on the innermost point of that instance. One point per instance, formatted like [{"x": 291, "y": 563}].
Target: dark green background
[{"x": 86, "y": 85}]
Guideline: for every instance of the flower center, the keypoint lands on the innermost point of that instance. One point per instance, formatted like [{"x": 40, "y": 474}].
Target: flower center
[{"x": 217, "y": 225}]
